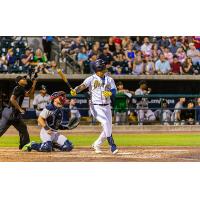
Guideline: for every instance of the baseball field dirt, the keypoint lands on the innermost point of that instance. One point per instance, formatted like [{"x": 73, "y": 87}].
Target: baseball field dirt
[
  {"x": 151, "y": 147},
  {"x": 85, "y": 154}
]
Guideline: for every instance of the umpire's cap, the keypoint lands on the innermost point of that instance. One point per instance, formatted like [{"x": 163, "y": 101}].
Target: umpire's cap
[
  {"x": 99, "y": 65},
  {"x": 18, "y": 78}
]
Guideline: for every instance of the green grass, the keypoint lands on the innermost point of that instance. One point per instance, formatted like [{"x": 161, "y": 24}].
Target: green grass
[{"x": 121, "y": 140}]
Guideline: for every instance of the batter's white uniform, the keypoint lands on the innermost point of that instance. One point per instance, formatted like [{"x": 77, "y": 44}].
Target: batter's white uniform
[
  {"x": 99, "y": 105},
  {"x": 41, "y": 102}
]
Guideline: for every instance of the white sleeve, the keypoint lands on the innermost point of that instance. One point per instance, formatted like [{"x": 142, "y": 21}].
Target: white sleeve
[
  {"x": 35, "y": 100},
  {"x": 137, "y": 92},
  {"x": 112, "y": 84},
  {"x": 87, "y": 81},
  {"x": 45, "y": 113}
]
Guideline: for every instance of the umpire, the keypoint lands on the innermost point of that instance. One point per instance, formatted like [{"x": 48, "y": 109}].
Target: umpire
[{"x": 11, "y": 114}]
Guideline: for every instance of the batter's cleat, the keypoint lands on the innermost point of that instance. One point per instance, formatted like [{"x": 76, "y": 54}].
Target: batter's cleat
[
  {"x": 27, "y": 147},
  {"x": 97, "y": 149},
  {"x": 114, "y": 149}
]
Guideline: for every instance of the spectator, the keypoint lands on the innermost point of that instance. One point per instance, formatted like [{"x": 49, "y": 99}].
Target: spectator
[
  {"x": 165, "y": 114},
  {"x": 39, "y": 56},
  {"x": 173, "y": 46},
  {"x": 125, "y": 42},
  {"x": 187, "y": 67},
  {"x": 196, "y": 41},
  {"x": 146, "y": 48},
  {"x": 26, "y": 60},
  {"x": 41, "y": 100},
  {"x": 143, "y": 112},
  {"x": 149, "y": 67},
  {"x": 175, "y": 66},
  {"x": 47, "y": 43},
  {"x": 75, "y": 47},
  {"x": 164, "y": 41},
  {"x": 119, "y": 62},
  {"x": 138, "y": 66},
  {"x": 168, "y": 55},
  {"x": 82, "y": 56},
  {"x": 111, "y": 45},
  {"x": 188, "y": 116},
  {"x": 106, "y": 56},
  {"x": 11, "y": 61},
  {"x": 117, "y": 40},
  {"x": 130, "y": 55},
  {"x": 176, "y": 116},
  {"x": 52, "y": 69},
  {"x": 73, "y": 109},
  {"x": 181, "y": 55},
  {"x": 155, "y": 51},
  {"x": 198, "y": 112},
  {"x": 137, "y": 42},
  {"x": 194, "y": 54},
  {"x": 93, "y": 58},
  {"x": 94, "y": 50},
  {"x": 162, "y": 66},
  {"x": 3, "y": 65}
]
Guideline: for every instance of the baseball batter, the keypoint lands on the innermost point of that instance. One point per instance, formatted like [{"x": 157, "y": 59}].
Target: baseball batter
[
  {"x": 53, "y": 118},
  {"x": 101, "y": 88}
]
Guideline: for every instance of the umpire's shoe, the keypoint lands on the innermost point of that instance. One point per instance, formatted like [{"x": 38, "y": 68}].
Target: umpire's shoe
[{"x": 27, "y": 147}]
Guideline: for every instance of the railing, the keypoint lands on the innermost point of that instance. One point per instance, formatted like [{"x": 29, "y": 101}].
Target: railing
[{"x": 154, "y": 104}]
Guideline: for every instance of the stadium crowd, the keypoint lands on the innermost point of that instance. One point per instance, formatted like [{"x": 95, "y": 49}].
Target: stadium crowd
[{"x": 122, "y": 55}]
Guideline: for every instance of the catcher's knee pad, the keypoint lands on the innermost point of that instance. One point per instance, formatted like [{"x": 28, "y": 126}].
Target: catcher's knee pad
[
  {"x": 67, "y": 146},
  {"x": 46, "y": 147}
]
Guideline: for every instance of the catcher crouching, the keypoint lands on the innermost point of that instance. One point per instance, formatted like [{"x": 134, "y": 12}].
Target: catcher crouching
[{"x": 53, "y": 118}]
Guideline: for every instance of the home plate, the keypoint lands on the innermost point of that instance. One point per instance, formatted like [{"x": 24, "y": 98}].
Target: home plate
[{"x": 125, "y": 153}]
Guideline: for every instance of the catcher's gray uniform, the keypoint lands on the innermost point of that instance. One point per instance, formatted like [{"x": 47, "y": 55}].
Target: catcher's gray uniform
[{"x": 144, "y": 114}]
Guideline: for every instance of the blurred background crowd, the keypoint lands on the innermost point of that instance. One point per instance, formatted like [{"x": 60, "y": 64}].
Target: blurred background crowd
[{"x": 122, "y": 55}]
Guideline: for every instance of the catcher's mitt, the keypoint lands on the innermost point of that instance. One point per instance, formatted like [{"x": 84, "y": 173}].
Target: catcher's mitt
[{"x": 73, "y": 123}]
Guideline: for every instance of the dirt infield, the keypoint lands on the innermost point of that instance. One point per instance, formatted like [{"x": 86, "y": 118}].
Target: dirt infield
[{"x": 131, "y": 154}]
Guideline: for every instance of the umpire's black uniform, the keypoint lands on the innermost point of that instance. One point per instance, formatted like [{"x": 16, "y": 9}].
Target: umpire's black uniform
[{"x": 12, "y": 116}]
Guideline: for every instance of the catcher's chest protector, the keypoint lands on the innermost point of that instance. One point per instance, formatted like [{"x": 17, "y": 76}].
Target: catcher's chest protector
[{"x": 57, "y": 117}]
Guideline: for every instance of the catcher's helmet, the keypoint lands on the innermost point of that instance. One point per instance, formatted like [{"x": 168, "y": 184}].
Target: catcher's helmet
[
  {"x": 61, "y": 95},
  {"x": 99, "y": 65}
]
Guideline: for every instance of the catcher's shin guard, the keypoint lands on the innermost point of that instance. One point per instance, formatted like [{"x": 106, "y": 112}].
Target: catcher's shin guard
[
  {"x": 46, "y": 147},
  {"x": 67, "y": 146}
]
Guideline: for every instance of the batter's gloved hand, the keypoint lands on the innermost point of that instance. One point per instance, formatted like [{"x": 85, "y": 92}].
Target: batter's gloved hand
[
  {"x": 107, "y": 93},
  {"x": 73, "y": 92}
]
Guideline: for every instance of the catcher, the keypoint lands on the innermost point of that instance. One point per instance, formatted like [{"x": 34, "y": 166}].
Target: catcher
[{"x": 53, "y": 118}]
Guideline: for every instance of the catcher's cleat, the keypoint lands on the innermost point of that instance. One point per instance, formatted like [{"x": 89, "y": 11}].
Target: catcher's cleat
[
  {"x": 27, "y": 147},
  {"x": 97, "y": 149}
]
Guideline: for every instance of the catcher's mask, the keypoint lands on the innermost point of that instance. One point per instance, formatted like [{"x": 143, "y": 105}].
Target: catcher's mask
[{"x": 61, "y": 95}]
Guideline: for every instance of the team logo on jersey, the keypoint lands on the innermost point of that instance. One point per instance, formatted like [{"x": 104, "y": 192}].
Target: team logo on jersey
[{"x": 96, "y": 84}]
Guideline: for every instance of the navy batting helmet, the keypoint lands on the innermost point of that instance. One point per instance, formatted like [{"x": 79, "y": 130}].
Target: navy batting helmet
[{"x": 99, "y": 65}]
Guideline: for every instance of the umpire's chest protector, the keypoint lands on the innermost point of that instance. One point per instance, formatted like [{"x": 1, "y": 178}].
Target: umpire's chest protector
[{"x": 57, "y": 116}]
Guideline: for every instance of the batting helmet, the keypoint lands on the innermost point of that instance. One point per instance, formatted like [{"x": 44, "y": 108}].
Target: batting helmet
[
  {"x": 61, "y": 95},
  {"x": 99, "y": 65}
]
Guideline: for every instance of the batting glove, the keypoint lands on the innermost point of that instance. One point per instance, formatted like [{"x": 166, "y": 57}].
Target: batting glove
[
  {"x": 107, "y": 93},
  {"x": 73, "y": 92}
]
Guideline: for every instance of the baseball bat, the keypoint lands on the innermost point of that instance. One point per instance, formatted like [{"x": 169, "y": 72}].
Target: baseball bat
[{"x": 64, "y": 78}]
